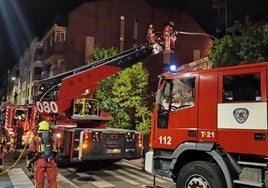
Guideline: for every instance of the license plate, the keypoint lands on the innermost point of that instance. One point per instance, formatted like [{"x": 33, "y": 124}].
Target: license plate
[{"x": 113, "y": 151}]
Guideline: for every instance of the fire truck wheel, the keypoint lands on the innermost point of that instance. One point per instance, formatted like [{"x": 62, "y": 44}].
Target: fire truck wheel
[{"x": 200, "y": 174}]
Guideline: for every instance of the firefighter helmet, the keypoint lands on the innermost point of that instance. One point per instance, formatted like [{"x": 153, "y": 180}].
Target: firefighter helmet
[
  {"x": 43, "y": 126},
  {"x": 23, "y": 116}
]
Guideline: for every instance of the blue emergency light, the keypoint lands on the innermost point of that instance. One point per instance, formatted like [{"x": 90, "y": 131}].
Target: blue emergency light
[{"x": 172, "y": 68}]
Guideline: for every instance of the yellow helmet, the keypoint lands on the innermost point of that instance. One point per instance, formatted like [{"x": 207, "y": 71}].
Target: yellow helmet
[{"x": 43, "y": 126}]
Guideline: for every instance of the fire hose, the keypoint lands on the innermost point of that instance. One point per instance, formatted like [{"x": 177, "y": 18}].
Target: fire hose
[{"x": 15, "y": 163}]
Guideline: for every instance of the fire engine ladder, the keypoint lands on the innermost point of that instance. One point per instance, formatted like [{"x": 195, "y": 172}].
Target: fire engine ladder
[
  {"x": 123, "y": 60},
  {"x": 251, "y": 168},
  {"x": 76, "y": 145}
]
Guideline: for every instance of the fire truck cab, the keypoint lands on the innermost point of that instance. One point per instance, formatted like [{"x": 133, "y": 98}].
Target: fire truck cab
[
  {"x": 209, "y": 128},
  {"x": 17, "y": 126}
]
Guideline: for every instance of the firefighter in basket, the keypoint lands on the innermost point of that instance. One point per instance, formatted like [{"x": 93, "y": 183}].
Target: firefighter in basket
[
  {"x": 151, "y": 35},
  {"x": 42, "y": 152},
  {"x": 169, "y": 36}
]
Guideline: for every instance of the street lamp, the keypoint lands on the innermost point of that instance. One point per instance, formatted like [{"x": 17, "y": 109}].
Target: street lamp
[{"x": 14, "y": 79}]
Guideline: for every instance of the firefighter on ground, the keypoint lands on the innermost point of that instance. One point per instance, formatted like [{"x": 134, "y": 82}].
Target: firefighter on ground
[
  {"x": 42, "y": 152},
  {"x": 23, "y": 123},
  {"x": 151, "y": 35},
  {"x": 169, "y": 36}
]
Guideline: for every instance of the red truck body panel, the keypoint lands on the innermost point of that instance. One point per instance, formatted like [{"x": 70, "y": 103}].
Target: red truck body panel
[{"x": 76, "y": 86}]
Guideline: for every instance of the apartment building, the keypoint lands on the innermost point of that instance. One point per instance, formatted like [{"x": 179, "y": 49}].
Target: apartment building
[{"x": 30, "y": 69}]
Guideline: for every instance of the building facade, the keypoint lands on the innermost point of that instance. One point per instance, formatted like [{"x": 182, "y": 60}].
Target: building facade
[
  {"x": 108, "y": 23},
  {"x": 30, "y": 68}
]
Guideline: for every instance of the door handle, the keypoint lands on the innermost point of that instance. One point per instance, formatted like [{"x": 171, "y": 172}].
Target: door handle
[{"x": 260, "y": 136}]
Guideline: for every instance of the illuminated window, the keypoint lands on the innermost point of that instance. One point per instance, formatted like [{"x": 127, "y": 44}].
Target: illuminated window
[{"x": 60, "y": 36}]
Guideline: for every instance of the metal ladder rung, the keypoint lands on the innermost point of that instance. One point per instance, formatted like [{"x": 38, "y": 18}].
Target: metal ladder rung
[{"x": 252, "y": 163}]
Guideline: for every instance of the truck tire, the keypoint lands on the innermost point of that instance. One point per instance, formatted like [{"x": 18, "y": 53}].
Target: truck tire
[{"x": 200, "y": 174}]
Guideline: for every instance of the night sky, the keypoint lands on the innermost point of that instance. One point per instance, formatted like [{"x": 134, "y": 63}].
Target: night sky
[{"x": 22, "y": 20}]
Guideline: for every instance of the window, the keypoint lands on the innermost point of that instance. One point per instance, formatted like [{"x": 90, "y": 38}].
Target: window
[
  {"x": 38, "y": 54},
  {"x": 246, "y": 87},
  {"x": 60, "y": 36},
  {"x": 179, "y": 94},
  {"x": 59, "y": 64},
  {"x": 45, "y": 46},
  {"x": 122, "y": 33},
  {"x": 51, "y": 41},
  {"x": 48, "y": 43},
  {"x": 135, "y": 32}
]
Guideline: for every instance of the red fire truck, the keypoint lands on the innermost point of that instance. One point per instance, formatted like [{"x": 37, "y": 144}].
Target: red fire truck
[
  {"x": 17, "y": 128},
  {"x": 79, "y": 125},
  {"x": 209, "y": 128}
]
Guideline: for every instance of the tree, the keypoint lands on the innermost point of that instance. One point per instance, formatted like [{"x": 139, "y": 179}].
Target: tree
[
  {"x": 101, "y": 53},
  {"x": 243, "y": 44},
  {"x": 124, "y": 95},
  {"x": 130, "y": 90}
]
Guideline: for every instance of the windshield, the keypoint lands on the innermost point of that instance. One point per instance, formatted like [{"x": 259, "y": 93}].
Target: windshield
[{"x": 179, "y": 93}]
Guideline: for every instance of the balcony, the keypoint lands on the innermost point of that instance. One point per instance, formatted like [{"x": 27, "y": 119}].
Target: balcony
[{"x": 56, "y": 51}]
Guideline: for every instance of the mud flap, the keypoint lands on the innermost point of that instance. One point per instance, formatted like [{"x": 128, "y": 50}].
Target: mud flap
[{"x": 149, "y": 161}]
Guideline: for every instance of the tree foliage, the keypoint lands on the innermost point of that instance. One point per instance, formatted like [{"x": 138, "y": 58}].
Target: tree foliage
[
  {"x": 243, "y": 44},
  {"x": 102, "y": 53},
  {"x": 124, "y": 96}
]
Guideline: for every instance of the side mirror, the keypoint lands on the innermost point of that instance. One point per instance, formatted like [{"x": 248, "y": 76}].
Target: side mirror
[{"x": 159, "y": 97}]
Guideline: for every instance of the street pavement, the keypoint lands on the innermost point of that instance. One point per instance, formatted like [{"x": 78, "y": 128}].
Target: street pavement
[{"x": 122, "y": 174}]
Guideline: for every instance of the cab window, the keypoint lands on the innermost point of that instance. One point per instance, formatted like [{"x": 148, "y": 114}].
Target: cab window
[{"x": 246, "y": 87}]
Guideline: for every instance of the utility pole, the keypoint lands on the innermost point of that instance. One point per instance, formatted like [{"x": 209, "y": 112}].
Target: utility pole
[{"x": 218, "y": 5}]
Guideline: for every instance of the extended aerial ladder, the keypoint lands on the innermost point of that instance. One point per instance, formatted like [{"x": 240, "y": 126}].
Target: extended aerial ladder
[{"x": 79, "y": 81}]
